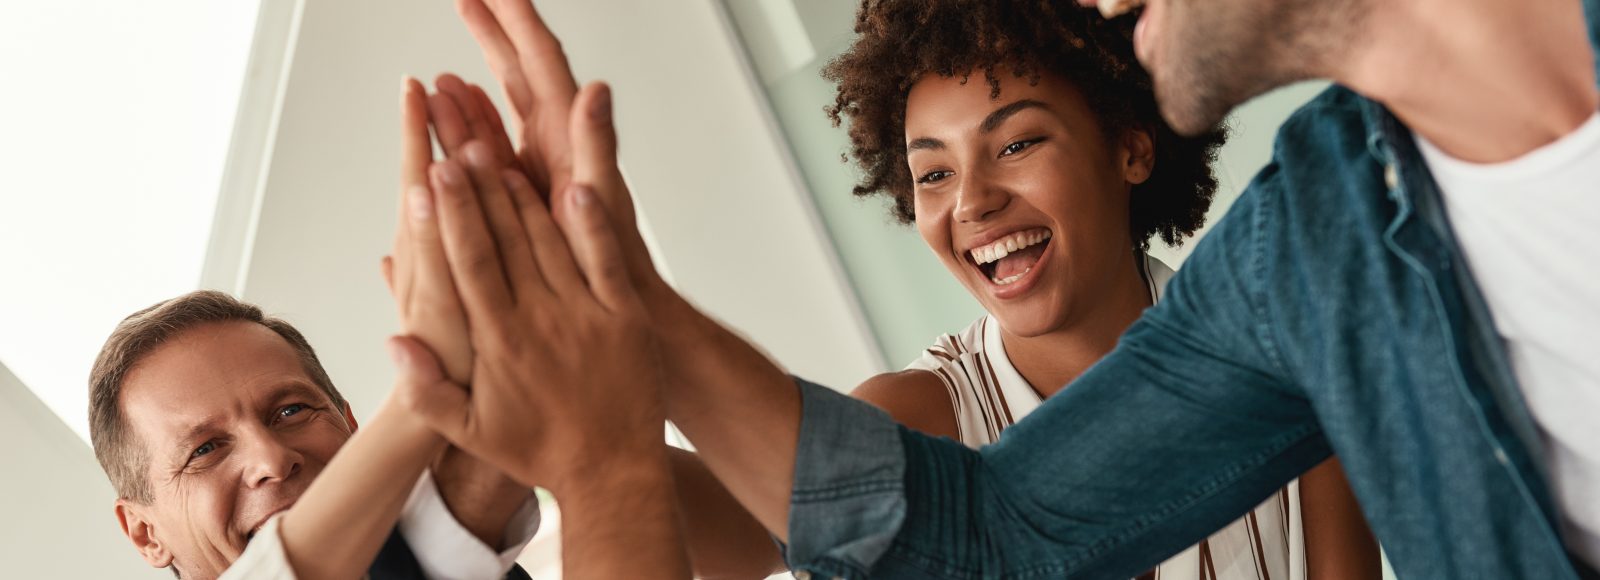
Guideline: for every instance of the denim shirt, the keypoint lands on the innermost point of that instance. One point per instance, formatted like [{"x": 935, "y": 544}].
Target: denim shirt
[{"x": 1331, "y": 310}]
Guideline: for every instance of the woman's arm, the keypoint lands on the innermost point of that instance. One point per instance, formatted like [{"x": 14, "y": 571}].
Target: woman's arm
[{"x": 1338, "y": 543}]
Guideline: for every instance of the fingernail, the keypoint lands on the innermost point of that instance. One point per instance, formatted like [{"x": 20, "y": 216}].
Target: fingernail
[
  {"x": 397, "y": 354},
  {"x": 601, "y": 110},
  {"x": 421, "y": 203},
  {"x": 450, "y": 174},
  {"x": 582, "y": 196},
  {"x": 478, "y": 155}
]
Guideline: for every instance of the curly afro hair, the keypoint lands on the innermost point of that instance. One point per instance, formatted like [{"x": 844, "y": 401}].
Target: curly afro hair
[{"x": 900, "y": 41}]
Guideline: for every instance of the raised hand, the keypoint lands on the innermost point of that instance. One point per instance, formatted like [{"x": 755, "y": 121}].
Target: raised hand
[
  {"x": 534, "y": 73},
  {"x": 566, "y": 391}
]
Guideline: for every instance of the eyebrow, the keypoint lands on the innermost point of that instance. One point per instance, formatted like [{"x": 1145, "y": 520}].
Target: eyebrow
[
  {"x": 210, "y": 427},
  {"x": 993, "y": 121},
  {"x": 990, "y": 123},
  {"x": 195, "y": 434}
]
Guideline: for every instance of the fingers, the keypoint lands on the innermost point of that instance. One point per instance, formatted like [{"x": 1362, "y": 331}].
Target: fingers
[
  {"x": 416, "y": 152},
  {"x": 499, "y": 52},
  {"x": 448, "y": 123},
  {"x": 496, "y": 134},
  {"x": 422, "y": 389},
  {"x": 543, "y": 62},
  {"x": 549, "y": 246},
  {"x": 415, "y": 363},
  {"x": 594, "y": 138},
  {"x": 474, "y": 261},
  {"x": 504, "y": 223},
  {"x": 599, "y": 254},
  {"x": 473, "y": 114},
  {"x": 387, "y": 266}
]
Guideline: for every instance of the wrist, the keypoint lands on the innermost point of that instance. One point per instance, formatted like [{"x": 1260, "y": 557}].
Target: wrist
[{"x": 607, "y": 473}]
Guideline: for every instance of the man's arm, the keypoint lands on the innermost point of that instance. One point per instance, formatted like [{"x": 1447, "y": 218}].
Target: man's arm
[{"x": 1188, "y": 424}]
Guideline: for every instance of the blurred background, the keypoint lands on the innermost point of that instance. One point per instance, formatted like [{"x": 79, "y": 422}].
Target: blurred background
[{"x": 161, "y": 146}]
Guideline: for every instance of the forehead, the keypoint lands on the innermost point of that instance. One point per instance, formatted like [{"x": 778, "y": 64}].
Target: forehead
[
  {"x": 939, "y": 104},
  {"x": 213, "y": 372}
]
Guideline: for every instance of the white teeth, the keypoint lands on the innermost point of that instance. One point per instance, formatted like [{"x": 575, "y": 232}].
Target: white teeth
[
  {"x": 1003, "y": 247},
  {"x": 1012, "y": 278}
]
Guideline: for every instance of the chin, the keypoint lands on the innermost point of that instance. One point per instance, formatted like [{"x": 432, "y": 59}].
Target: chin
[{"x": 1026, "y": 322}]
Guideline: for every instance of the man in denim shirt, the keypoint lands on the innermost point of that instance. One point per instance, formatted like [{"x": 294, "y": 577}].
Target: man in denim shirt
[{"x": 1335, "y": 308}]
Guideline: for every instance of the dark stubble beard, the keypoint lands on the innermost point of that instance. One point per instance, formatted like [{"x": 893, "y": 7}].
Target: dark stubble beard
[{"x": 1217, "y": 54}]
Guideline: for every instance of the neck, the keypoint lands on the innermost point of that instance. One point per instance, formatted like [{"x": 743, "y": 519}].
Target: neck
[
  {"x": 1049, "y": 361},
  {"x": 1484, "y": 80}
]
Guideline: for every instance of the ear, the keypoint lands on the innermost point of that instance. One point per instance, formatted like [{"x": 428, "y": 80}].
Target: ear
[
  {"x": 1138, "y": 158},
  {"x": 350, "y": 418},
  {"x": 141, "y": 531}
]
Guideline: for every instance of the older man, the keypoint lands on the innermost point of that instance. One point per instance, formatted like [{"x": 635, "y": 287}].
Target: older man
[{"x": 209, "y": 417}]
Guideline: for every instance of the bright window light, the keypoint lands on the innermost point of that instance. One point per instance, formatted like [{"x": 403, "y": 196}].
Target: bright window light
[{"x": 119, "y": 120}]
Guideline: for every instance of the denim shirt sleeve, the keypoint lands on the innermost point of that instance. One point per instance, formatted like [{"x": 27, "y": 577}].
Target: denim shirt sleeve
[{"x": 1188, "y": 424}]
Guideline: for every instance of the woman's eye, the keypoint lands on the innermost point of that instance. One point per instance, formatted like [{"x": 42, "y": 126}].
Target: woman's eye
[
  {"x": 1017, "y": 147},
  {"x": 203, "y": 450},
  {"x": 933, "y": 177}
]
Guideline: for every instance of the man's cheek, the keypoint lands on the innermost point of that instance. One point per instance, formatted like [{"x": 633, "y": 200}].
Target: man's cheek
[
  {"x": 208, "y": 512},
  {"x": 321, "y": 440}
]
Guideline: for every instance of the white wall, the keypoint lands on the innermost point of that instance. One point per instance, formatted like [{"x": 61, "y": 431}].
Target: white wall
[{"x": 56, "y": 503}]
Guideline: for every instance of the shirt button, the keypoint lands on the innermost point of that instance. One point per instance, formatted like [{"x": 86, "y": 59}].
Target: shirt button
[
  {"x": 1391, "y": 177},
  {"x": 802, "y": 575},
  {"x": 1500, "y": 455}
]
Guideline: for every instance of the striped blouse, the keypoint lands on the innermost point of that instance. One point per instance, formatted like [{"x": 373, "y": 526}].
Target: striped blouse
[{"x": 988, "y": 395}]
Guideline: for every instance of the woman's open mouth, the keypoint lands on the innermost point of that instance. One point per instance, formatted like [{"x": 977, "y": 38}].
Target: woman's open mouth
[{"x": 1008, "y": 260}]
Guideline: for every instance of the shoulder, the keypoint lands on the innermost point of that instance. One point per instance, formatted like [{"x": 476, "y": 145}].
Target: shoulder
[{"x": 918, "y": 399}]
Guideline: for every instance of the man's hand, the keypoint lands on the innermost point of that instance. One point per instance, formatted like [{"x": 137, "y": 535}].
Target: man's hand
[{"x": 533, "y": 71}]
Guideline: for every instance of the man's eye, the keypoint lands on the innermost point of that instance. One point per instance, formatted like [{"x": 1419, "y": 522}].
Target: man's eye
[
  {"x": 1017, "y": 147},
  {"x": 203, "y": 450},
  {"x": 933, "y": 177},
  {"x": 291, "y": 410}
]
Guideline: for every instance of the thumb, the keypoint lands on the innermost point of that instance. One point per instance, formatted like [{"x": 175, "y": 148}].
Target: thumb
[{"x": 423, "y": 390}]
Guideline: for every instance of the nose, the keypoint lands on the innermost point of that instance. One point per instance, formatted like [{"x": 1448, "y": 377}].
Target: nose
[
  {"x": 268, "y": 460},
  {"x": 978, "y": 197}
]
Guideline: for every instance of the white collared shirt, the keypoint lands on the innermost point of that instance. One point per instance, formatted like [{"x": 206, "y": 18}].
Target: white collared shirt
[{"x": 442, "y": 546}]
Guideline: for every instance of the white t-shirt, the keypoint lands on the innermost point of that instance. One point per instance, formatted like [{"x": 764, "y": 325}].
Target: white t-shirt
[
  {"x": 444, "y": 549},
  {"x": 1528, "y": 228}
]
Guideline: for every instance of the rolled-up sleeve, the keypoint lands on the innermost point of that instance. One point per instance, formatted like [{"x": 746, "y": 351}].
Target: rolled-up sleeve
[{"x": 849, "y": 491}]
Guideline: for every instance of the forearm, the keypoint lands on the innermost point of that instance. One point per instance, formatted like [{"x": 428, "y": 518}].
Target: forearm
[
  {"x": 1338, "y": 542},
  {"x": 483, "y": 499},
  {"x": 623, "y": 522},
  {"x": 337, "y": 527},
  {"x": 724, "y": 540},
  {"x": 740, "y": 409}
]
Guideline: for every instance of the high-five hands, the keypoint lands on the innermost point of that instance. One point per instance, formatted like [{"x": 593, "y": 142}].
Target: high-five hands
[{"x": 565, "y": 378}]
